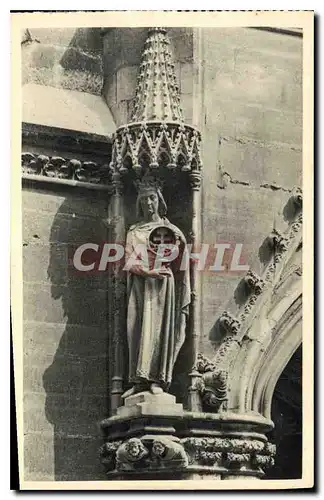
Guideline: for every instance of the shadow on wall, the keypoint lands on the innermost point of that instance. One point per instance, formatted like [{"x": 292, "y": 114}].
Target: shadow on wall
[{"x": 76, "y": 381}]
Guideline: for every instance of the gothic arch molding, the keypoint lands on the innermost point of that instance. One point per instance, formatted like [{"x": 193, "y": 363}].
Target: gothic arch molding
[
  {"x": 287, "y": 338},
  {"x": 262, "y": 335}
]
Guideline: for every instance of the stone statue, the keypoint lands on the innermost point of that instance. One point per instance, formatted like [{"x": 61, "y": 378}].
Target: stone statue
[{"x": 158, "y": 299}]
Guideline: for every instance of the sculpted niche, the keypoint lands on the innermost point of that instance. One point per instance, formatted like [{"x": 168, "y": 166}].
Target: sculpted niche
[{"x": 158, "y": 293}]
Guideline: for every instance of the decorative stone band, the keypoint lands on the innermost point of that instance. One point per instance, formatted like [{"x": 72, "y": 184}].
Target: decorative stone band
[
  {"x": 63, "y": 168},
  {"x": 154, "y": 145},
  {"x": 160, "y": 454}
]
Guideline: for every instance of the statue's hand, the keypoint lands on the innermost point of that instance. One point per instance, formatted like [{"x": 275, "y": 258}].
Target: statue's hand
[{"x": 159, "y": 273}]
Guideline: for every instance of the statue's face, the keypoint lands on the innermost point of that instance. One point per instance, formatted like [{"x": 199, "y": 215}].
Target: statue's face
[
  {"x": 158, "y": 448},
  {"x": 133, "y": 448},
  {"x": 149, "y": 202}
]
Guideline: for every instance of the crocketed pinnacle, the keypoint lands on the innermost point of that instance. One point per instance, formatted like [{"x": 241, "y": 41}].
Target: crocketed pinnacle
[{"x": 157, "y": 94}]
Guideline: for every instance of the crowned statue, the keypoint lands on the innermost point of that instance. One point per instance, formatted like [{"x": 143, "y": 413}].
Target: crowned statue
[{"x": 158, "y": 298}]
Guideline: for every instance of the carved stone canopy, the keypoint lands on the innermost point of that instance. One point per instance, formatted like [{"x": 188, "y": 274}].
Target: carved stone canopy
[
  {"x": 156, "y": 138},
  {"x": 157, "y": 94}
]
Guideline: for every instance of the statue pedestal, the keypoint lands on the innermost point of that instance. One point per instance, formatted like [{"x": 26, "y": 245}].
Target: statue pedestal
[
  {"x": 152, "y": 437},
  {"x": 146, "y": 403}
]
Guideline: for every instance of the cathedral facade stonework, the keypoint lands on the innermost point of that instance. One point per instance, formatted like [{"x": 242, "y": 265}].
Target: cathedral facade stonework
[{"x": 193, "y": 137}]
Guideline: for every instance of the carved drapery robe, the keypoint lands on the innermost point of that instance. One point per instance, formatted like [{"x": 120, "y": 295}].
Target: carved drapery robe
[{"x": 157, "y": 313}]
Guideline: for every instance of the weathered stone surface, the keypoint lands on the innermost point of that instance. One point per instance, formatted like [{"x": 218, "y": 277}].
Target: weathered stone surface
[
  {"x": 70, "y": 109},
  {"x": 145, "y": 404},
  {"x": 42, "y": 227},
  {"x": 39, "y": 454},
  {"x": 56, "y": 304}
]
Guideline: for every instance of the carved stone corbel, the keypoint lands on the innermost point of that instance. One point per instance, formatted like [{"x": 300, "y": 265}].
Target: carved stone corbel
[
  {"x": 229, "y": 323},
  {"x": 150, "y": 453},
  {"x": 168, "y": 454},
  {"x": 131, "y": 454},
  {"x": 212, "y": 386},
  {"x": 297, "y": 198}
]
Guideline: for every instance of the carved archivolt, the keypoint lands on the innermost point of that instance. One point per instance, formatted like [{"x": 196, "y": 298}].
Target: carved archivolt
[
  {"x": 286, "y": 338},
  {"x": 262, "y": 336}
]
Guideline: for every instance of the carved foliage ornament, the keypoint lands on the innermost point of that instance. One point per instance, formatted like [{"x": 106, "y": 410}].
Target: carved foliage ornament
[
  {"x": 65, "y": 168},
  {"x": 254, "y": 283},
  {"x": 212, "y": 386},
  {"x": 230, "y": 453},
  {"x": 229, "y": 323}
]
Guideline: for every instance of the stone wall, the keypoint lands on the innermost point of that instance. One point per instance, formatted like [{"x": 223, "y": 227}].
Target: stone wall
[
  {"x": 65, "y": 336},
  {"x": 66, "y": 58},
  {"x": 252, "y": 148}
]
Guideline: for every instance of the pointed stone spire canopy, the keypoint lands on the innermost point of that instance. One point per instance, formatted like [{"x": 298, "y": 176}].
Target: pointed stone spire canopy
[
  {"x": 157, "y": 94},
  {"x": 156, "y": 137}
]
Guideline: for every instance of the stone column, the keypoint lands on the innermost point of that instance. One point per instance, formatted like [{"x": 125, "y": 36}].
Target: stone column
[
  {"x": 195, "y": 182},
  {"x": 118, "y": 316}
]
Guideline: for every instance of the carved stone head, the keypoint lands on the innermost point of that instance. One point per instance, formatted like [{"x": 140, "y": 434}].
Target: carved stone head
[
  {"x": 150, "y": 200},
  {"x": 134, "y": 447},
  {"x": 158, "y": 448}
]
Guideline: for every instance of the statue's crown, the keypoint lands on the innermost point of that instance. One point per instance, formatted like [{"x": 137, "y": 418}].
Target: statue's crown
[{"x": 148, "y": 183}]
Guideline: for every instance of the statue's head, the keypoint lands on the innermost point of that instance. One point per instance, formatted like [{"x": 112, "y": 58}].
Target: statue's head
[
  {"x": 159, "y": 448},
  {"x": 150, "y": 201},
  {"x": 134, "y": 447}
]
